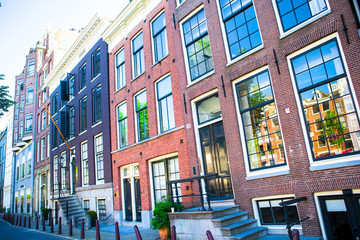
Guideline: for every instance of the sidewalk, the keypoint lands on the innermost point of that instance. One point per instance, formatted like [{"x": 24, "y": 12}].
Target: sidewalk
[{"x": 106, "y": 231}]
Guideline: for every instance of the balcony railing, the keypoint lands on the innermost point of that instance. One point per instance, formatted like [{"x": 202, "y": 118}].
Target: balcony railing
[{"x": 199, "y": 179}]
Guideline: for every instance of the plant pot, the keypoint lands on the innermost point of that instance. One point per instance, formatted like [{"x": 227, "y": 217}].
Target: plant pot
[{"x": 164, "y": 233}]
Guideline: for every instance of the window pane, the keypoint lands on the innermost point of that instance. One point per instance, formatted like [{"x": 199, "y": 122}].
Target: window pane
[{"x": 209, "y": 109}]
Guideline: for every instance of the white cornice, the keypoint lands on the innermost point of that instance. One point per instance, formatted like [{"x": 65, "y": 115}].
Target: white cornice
[
  {"x": 89, "y": 32},
  {"x": 135, "y": 12}
]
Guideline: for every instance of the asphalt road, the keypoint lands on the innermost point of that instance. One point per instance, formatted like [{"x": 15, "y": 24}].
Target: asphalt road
[{"x": 10, "y": 232}]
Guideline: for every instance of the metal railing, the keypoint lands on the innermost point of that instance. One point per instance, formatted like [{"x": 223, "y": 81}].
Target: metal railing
[{"x": 191, "y": 180}]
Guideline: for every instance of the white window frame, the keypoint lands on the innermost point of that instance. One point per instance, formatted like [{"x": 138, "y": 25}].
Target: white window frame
[
  {"x": 299, "y": 26},
  {"x": 117, "y": 88},
  {"x": 55, "y": 170},
  {"x": 226, "y": 43},
  {"x": 27, "y": 93},
  {"x": 273, "y": 229},
  {"x": 152, "y": 37},
  {"x": 42, "y": 148},
  {"x": 135, "y": 115},
  {"x": 82, "y": 162},
  {"x": 96, "y": 167},
  {"x": 63, "y": 170},
  {"x": 341, "y": 161},
  {"x": 150, "y": 161},
  {"x": 132, "y": 56},
  {"x": 97, "y": 206},
  {"x": 117, "y": 125},
  {"x": 188, "y": 76},
  {"x": 261, "y": 173},
  {"x": 178, "y": 4},
  {"x": 157, "y": 104}
]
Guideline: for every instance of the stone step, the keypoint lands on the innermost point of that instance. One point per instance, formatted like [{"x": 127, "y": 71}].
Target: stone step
[
  {"x": 223, "y": 211},
  {"x": 230, "y": 219},
  {"x": 221, "y": 203},
  {"x": 238, "y": 227},
  {"x": 251, "y": 234}
]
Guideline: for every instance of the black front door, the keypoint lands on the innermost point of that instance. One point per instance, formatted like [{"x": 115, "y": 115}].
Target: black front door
[
  {"x": 128, "y": 202},
  {"x": 215, "y": 160},
  {"x": 341, "y": 216}
]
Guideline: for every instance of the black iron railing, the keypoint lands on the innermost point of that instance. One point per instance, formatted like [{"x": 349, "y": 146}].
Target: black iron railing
[{"x": 198, "y": 179}]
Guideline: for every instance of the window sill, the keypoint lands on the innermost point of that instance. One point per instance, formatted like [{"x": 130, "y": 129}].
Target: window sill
[
  {"x": 280, "y": 229},
  {"x": 304, "y": 24},
  {"x": 118, "y": 90},
  {"x": 138, "y": 76},
  {"x": 201, "y": 78},
  {"x": 241, "y": 57},
  {"x": 96, "y": 124},
  {"x": 345, "y": 161},
  {"x": 96, "y": 77},
  {"x": 273, "y": 172},
  {"x": 83, "y": 132},
  {"x": 159, "y": 61},
  {"x": 81, "y": 90}
]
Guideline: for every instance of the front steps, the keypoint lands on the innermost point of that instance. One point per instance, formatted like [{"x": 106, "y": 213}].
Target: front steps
[
  {"x": 74, "y": 207},
  {"x": 224, "y": 222}
]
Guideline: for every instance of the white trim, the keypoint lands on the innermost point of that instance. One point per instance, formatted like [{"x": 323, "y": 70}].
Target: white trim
[
  {"x": 152, "y": 37},
  {"x": 136, "y": 120},
  {"x": 267, "y": 172},
  {"x": 132, "y": 176},
  {"x": 117, "y": 123},
  {"x": 132, "y": 55},
  {"x": 200, "y": 78},
  {"x": 341, "y": 161},
  {"x": 318, "y": 208},
  {"x": 178, "y": 4},
  {"x": 357, "y": 8},
  {"x": 82, "y": 160},
  {"x": 95, "y": 160},
  {"x": 187, "y": 69},
  {"x": 157, "y": 102},
  {"x": 299, "y": 26},
  {"x": 226, "y": 43},
  {"x": 273, "y": 229},
  {"x": 196, "y": 126},
  {"x": 117, "y": 88},
  {"x": 150, "y": 161}
]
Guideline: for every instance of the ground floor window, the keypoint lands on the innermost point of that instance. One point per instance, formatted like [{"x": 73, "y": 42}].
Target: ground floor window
[
  {"x": 271, "y": 213},
  {"x": 164, "y": 170},
  {"x": 86, "y": 205},
  {"x": 101, "y": 208},
  {"x": 28, "y": 203}
]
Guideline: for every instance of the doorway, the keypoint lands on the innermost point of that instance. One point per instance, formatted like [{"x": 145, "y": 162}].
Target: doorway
[
  {"x": 341, "y": 216},
  {"x": 215, "y": 160},
  {"x": 132, "y": 193}
]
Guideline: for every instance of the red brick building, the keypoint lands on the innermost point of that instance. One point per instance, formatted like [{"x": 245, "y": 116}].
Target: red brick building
[{"x": 244, "y": 76}]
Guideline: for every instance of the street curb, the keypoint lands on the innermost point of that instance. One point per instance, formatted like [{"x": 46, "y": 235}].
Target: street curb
[{"x": 34, "y": 230}]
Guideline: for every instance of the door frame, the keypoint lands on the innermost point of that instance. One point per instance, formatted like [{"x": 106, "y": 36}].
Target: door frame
[
  {"x": 131, "y": 174},
  {"x": 338, "y": 193},
  {"x": 197, "y": 126}
]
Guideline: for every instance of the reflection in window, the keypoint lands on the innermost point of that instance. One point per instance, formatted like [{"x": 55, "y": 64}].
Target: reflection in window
[
  {"x": 271, "y": 212},
  {"x": 260, "y": 120},
  {"x": 166, "y": 105},
  {"x": 323, "y": 85},
  {"x": 142, "y": 115},
  {"x": 198, "y": 45},
  {"x": 294, "y": 12},
  {"x": 159, "y": 37},
  {"x": 138, "y": 55},
  {"x": 122, "y": 125},
  {"x": 209, "y": 109},
  {"x": 165, "y": 170},
  {"x": 241, "y": 26},
  {"x": 120, "y": 69}
]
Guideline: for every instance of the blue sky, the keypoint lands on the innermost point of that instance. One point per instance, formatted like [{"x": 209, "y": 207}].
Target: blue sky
[{"x": 23, "y": 22}]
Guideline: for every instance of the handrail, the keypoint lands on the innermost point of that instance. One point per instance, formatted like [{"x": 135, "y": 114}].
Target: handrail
[{"x": 201, "y": 194}]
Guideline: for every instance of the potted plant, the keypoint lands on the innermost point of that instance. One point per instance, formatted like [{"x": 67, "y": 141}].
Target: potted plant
[
  {"x": 93, "y": 217},
  {"x": 161, "y": 219}
]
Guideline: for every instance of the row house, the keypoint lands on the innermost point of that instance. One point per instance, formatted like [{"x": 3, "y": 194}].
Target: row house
[
  {"x": 23, "y": 144},
  {"x": 9, "y": 157},
  {"x": 148, "y": 141},
  {"x": 80, "y": 160},
  {"x": 271, "y": 89},
  {"x": 50, "y": 51},
  {"x": 3, "y": 141}
]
